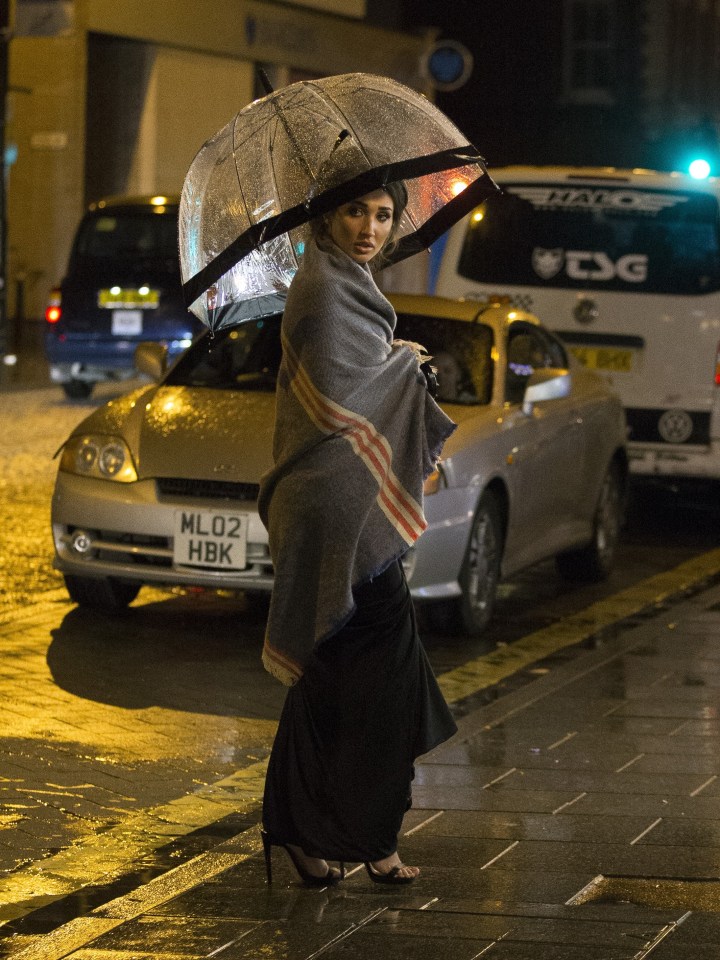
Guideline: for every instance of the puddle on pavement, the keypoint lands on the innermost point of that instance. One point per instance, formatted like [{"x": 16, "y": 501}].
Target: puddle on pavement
[
  {"x": 78, "y": 904},
  {"x": 656, "y": 892}
]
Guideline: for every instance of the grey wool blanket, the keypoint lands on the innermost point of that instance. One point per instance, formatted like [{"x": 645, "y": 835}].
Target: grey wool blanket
[{"x": 356, "y": 434}]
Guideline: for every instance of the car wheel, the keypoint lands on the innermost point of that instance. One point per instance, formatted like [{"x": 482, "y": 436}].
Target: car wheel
[
  {"x": 595, "y": 561},
  {"x": 105, "y": 593},
  {"x": 78, "y": 389},
  {"x": 471, "y": 612}
]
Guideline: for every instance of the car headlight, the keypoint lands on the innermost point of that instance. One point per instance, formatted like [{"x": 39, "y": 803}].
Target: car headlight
[{"x": 102, "y": 457}]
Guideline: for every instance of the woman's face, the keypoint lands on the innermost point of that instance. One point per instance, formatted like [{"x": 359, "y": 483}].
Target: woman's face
[{"x": 360, "y": 228}]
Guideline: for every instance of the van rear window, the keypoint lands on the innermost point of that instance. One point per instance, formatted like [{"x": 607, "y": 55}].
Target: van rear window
[
  {"x": 130, "y": 234},
  {"x": 601, "y": 237}
]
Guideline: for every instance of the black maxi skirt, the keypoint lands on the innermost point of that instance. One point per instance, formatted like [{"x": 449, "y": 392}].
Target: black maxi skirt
[{"x": 339, "y": 775}]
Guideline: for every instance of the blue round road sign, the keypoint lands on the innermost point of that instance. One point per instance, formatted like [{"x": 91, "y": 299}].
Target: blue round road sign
[{"x": 448, "y": 64}]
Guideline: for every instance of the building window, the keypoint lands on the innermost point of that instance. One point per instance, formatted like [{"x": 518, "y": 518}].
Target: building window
[{"x": 589, "y": 51}]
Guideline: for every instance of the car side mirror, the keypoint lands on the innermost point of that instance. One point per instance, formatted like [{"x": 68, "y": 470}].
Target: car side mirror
[
  {"x": 151, "y": 359},
  {"x": 548, "y": 383}
]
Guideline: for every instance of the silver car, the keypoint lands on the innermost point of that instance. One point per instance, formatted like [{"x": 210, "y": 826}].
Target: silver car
[{"x": 160, "y": 486}]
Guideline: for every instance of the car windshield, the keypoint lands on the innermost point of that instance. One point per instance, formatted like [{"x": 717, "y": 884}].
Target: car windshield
[
  {"x": 247, "y": 357},
  {"x": 128, "y": 235},
  {"x": 460, "y": 351},
  {"x": 605, "y": 237}
]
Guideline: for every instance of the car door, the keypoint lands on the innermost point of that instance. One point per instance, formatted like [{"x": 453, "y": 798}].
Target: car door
[{"x": 546, "y": 468}]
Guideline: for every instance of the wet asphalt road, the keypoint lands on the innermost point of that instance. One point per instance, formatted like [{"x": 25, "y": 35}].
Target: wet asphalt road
[{"x": 107, "y": 717}]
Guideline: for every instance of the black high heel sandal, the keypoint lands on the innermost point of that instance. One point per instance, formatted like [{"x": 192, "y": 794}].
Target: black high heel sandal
[
  {"x": 390, "y": 877},
  {"x": 332, "y": 876}
]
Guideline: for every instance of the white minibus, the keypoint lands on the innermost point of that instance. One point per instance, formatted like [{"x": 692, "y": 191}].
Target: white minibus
[{"x": 625, "y": 266}]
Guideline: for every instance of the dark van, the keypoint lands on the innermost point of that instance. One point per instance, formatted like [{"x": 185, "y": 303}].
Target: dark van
[{"x": 122, "y": 287}]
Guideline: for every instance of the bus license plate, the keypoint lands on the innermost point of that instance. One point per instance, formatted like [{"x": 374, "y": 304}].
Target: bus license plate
[
  {"x": 604, "y": 358},
  {"x": 208, "y": 538}
]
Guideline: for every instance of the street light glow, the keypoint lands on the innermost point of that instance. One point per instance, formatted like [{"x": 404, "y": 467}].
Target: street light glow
[{"x": 699, "y": 169}]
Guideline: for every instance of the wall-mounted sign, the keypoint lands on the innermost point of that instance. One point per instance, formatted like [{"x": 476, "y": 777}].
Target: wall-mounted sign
[
  {"x": 447, "y": 64},
  {"x": 49, "y": 140}
]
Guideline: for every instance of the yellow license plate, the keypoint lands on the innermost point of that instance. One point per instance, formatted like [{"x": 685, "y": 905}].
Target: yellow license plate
[
  {"x": 604, "y": 358},
  {"x": 130, "y": 298}
]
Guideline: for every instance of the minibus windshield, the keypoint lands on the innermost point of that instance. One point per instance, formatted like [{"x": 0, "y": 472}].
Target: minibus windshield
[{"x": 598, "y": 237}]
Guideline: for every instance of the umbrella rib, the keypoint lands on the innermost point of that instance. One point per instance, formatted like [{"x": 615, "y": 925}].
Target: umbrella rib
[
  {"x": 291, "y": 136},
  {"x": 237, "y": 172},
  {"x": 359, "y": 145},
  {"x": 276, "y": 198}
]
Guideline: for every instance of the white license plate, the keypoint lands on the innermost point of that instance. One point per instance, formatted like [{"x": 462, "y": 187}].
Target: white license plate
[
  {"x": 126, "y": 323},
  {"x": 209, "y": 538}
]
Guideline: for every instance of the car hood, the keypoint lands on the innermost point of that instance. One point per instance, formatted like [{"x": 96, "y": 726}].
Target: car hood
[
  {"x": 192, "y": 432},
  {"x": 200, "y": 433}
]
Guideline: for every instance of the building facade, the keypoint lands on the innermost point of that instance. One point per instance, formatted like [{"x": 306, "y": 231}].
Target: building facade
[{"x": 116, "y": 96}]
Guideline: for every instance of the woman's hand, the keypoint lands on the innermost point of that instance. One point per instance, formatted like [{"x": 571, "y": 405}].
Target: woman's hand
[
  {"x": 421, "y": 354},
  {"x": 431, "y": 381}
]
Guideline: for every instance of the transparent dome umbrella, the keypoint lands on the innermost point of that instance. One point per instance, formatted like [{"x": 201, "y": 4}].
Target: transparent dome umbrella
[{"x": 297, "y": 153}]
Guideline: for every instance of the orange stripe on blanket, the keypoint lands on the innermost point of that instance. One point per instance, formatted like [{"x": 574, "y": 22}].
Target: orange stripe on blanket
[
  {"x": 390, "y": 494},
  {"x": 371, "y": 446},
  {"x": 397, "y": 504},
  {"x": 288, "y": 665}
]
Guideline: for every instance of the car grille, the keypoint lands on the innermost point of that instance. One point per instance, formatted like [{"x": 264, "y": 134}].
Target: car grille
[
  {"x": 206, "y": 489},
  {"x": 134, "y": 548}
]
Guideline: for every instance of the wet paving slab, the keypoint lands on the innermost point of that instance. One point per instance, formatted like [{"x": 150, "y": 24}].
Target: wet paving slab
[
  {"x": 704, "y": 929},
  {"x": 245, "y": 897},
  {"x": 536, "y": 826},
  {"x": 589, "y": 857},
  {"x": 678, "y": 949},
  {"x": 621, "y": 780},
  {"x": 683, "y": 832},
  {"x": 346, "y": 924},
  {"x": 194, "y": 936}
]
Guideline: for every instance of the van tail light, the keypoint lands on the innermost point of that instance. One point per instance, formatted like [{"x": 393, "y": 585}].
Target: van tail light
[
  {"x": 53, "y": 310},
  {"x": 717, "y": 366}
]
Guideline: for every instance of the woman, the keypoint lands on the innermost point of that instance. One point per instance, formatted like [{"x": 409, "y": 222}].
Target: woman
[{"x": 356, "y": 433}]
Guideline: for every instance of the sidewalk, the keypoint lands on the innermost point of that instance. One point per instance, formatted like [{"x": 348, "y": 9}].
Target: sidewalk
[{"x": 577, "y": 817}]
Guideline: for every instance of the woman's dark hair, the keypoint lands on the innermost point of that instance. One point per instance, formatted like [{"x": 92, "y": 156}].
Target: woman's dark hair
[{"x": 397, "y": 191}]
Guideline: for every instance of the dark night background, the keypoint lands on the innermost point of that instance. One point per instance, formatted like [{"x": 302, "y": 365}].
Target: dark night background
[{"x": 655, "y": 106}]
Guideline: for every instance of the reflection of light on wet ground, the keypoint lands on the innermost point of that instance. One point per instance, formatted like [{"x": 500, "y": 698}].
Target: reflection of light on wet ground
[
  {"x": 657, "y": 892},
  {"x": 644, "y": 597},
  {"x": 154, "y": 841},
  {"x": 79, "y": 903}
]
